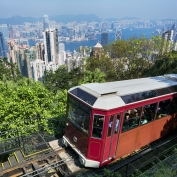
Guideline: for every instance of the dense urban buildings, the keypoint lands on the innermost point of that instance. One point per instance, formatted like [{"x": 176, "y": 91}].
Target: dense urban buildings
[{"x": 36, "y": 47}]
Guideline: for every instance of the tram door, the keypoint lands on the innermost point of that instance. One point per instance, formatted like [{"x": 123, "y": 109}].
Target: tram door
[{"x": 112, "y": 137}]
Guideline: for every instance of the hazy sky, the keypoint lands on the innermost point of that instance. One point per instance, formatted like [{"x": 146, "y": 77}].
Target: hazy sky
[{"x": 145, "y": 9}]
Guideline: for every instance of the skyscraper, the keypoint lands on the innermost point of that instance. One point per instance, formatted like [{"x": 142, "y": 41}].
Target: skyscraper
[
  {"x": 4, "y": 29},
  {"x": 45, "y": 22},
  {"x": 40, "y": 51},
  {"x": 51, "y": 46},
  {"x": 104, "y": 39},
  {"x": 61, "y": 47},
  {"x": 11, "y": 33},
  {"x": 2, "y": 47},
  {"x": 170, "y": 39}
]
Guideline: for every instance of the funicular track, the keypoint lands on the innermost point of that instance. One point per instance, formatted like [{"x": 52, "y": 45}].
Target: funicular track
[
  {"x": 140, "y": 161},
  {"x": 30, "y": 154},
  {"x": 42, "y": 164},
  {"x": 50, "y": 163},
  {"x": 46, "y": 161}
]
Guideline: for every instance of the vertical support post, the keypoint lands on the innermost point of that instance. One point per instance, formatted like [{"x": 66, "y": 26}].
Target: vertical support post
[
  {"x": 38, "y": 124},
  {"x": 18, "y": 137},
  {"x": 126, "y": 169}
]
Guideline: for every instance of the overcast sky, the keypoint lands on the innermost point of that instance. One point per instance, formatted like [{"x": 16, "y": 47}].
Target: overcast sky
[{"x": 145, "y": 9}]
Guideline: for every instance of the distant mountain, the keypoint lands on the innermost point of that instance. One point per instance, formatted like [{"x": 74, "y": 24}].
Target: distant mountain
[
  {"x": 129, "y": 18},
  {"x": 111, "y": 19},
  {"x": 123, "y": 18},
  {"x": 78, "y": 18},
  {"x": 17, "y": 20},
  {"x": 169, "y": 19}
]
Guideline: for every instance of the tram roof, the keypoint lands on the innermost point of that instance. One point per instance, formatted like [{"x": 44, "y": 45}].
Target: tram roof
[{"x": 110, "y": 95}]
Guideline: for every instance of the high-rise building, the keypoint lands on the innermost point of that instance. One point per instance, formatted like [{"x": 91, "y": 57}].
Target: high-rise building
[
  {"x": 37, "y": 69},
  {"x": 4, "y": 29},
  {"x": 104, "y": 39},
  {"x": 45, "y": 22},
  {"x": 170, "y": 39},
  {"x": 51, "y": 46},
  {"x": 61, "y": 47},
  {"x": 11, "y": 33},
  {"x": 61, "y": 58},
  {"x": 3, "y": 53},
  {"x": 118, "y": 34},
  {"x": 40, "y": 51}
]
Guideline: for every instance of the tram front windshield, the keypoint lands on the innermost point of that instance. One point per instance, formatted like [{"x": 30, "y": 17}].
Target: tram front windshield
[{"x": 78, "y": 114}]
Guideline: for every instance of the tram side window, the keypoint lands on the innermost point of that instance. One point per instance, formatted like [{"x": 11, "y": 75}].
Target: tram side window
[
  {"x": 78, "y": 114},
  {"x": 173, "y": 106},
  {"x": 98, "y": 126},
  {"x": 148, "y": 113},
  {"x": 163, "y": 109},
  {"x": 131, "y": 119}
]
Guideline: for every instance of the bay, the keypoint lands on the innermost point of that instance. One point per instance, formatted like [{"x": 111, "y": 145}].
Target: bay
[{"x": 126, "y": 34}]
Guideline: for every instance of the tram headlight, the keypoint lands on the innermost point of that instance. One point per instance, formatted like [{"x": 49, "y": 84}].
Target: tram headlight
[
  {"x": 82, "y": 161},
  {"x": 64, "y": 142}
]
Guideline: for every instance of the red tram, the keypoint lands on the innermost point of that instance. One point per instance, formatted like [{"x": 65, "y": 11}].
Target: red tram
[{"x": 106, "y": 121}]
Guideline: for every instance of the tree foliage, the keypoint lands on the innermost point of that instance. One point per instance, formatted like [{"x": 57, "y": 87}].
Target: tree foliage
[
  {"x": 61, "y": 79},
  {"x": 127, "y": 59},
  {"x": 104, "y": 64},
  {"x": 166, "y": 64},
  {"x": 28, "y": 99},
  {"x": 8, "y": 71},
  {"x": 95, "y": 76}
]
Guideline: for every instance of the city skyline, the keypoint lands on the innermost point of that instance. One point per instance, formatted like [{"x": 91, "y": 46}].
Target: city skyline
[{"x": 147, "y": 9}]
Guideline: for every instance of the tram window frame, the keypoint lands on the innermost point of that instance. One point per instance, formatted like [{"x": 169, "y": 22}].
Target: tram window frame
[
  {"x": 163, "y": 109},
  {"x": 98, "y": 125},
  {"x": 114, "y": 124},
  {"x": 147, "y": 112},
  {"x": 110, "y": 125},
  {"x": 131, "y": 119}
]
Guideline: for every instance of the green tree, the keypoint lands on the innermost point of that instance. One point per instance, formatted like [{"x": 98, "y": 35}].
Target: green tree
[
  {"x": 127, "y": 59},
  {"x": 166, "y": 64},
  {"x": 104, "y": 64},
  {"x": 8, "y": 71},
  {"x": 61, "y": 79},
  {"x": 95, "y": 76},
  {"x": 133, "y": 56},
  {"x": 28, "y": 99},
  {"x": 58, "y": 80}
]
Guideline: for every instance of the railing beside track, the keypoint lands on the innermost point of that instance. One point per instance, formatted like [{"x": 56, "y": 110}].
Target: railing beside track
[{"x": 11, "y": 140}]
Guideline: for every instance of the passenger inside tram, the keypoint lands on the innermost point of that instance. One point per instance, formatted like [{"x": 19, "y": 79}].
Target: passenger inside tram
[
  {"x": 163, "y": 109},
  {"x": 127, "y": 116},
  {"x": 131, "y": 119},
  {"x": 117, "y": 123},
  {"x": 143, "y": 121},
  {"x": 111, "y": 124}
]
